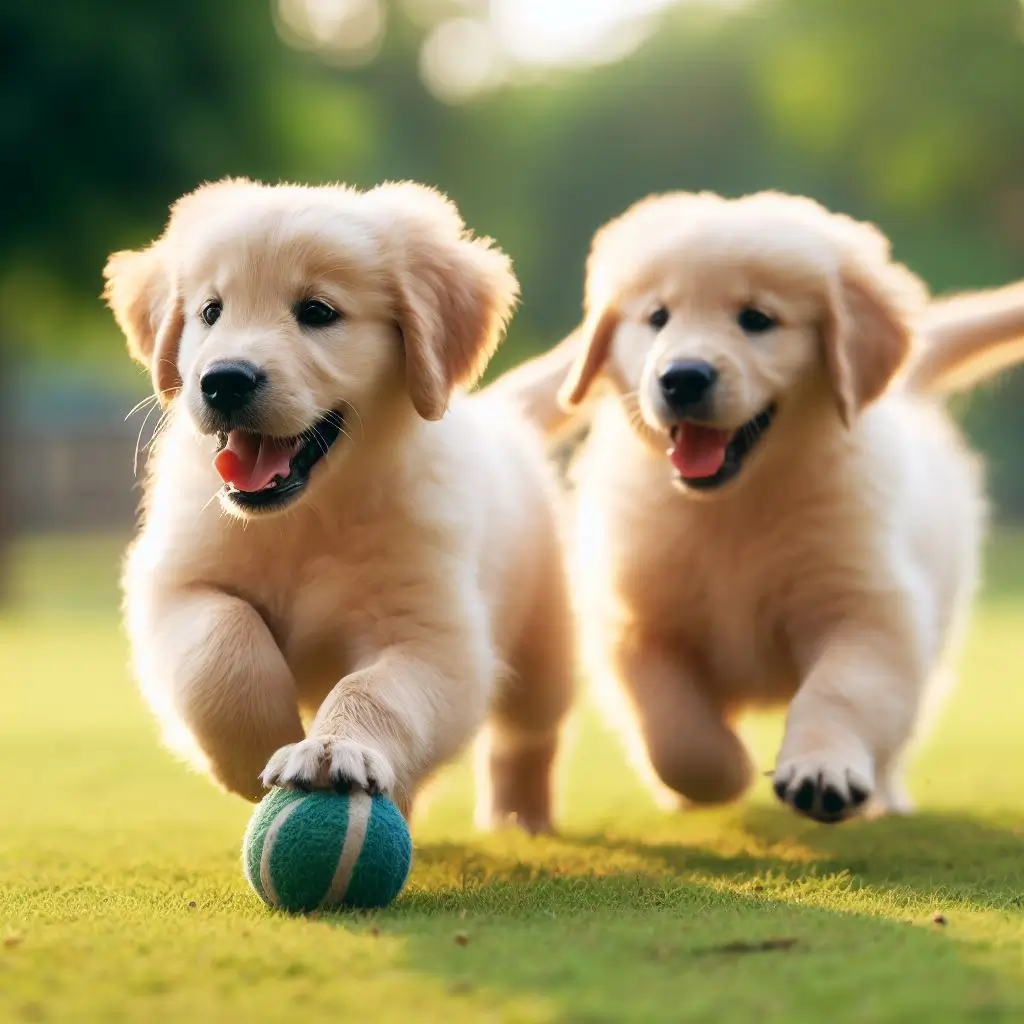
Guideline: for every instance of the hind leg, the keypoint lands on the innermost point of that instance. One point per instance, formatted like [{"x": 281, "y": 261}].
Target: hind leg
[
  {"x": 517, "y": 749},
  {"x": 891, "y": 795}
]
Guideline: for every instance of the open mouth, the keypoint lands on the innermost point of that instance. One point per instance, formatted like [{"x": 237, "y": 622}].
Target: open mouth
[
  {"x": 262, "y": 472},
  {"x": 706, "y": 457}
]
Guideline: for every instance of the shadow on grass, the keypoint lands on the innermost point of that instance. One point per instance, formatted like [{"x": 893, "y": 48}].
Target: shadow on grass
[
  {"x": 928, "y": 855},
  {"x": 801, "y": 922}
]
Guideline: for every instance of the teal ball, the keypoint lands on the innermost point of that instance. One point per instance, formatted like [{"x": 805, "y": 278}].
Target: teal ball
[{"x": 326, "y": 851}]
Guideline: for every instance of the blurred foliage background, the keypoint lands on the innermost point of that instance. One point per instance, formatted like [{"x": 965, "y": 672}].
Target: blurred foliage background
[{"x": 541, "y": 118}]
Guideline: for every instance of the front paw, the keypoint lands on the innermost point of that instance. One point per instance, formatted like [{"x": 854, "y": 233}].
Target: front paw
[
  {"x": 825, "y": 788},
  {"x": 323, "y": 762}
]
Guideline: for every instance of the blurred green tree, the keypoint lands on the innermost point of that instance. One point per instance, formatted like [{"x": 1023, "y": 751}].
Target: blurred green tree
[
  {"x": 111, "y": 110},
  {"x": 906, "y": 113},
  {"x": 909, "y": 114}
]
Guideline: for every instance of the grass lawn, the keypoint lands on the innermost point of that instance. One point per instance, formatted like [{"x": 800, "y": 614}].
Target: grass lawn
[{"x": 122, "y": 898}]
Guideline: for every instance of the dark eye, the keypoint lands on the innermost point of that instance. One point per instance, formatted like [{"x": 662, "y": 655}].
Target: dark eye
[
  {"x": 211, "y": 312},
  {"x": 753, "y": 321},
  {"x": 315, "y": 313},
  {"x": 658, "y": 318}
]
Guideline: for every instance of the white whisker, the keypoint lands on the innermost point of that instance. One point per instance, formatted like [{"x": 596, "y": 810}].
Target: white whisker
[
  {"x": 138, "y": 438},
  {"x": 213, "y": 497},
  {"x": 359, "y": 418},
  {"x": 138, "y": 405}
]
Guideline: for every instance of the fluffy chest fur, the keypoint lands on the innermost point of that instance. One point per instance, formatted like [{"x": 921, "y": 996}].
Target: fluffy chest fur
[
  {"x": 743, "y": 585},
  {"x": 401, "y": 534}
]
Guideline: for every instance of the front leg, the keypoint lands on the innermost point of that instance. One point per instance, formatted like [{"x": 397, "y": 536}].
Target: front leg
[
  {"x": 216, "y": 679},
  {"x": 690, "y": 745},
  {"x": 389, "y": 724},
  {"x": 850, "y": 719}
]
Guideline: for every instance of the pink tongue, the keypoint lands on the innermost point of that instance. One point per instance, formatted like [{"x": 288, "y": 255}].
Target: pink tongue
[
  {"x": 251, "y": 461},
  {"x": 698, "y": 451}
]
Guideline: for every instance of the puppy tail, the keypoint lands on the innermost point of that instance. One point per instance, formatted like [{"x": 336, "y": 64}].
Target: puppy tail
[
  {"x": 532, "y": 389},
  {"x": 968, "y": 338}
]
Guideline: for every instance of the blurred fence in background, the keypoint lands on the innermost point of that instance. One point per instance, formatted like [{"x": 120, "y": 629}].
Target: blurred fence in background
[{"x": 70, "y": 456}]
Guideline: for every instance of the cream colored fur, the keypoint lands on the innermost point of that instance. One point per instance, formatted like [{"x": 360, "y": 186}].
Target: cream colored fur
[
  {"x": 834, "y": 573},
  {"x": 415, "y": 591}
]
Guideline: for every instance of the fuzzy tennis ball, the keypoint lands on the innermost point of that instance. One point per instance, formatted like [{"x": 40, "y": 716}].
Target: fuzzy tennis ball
[{"x": 326, "y": 850}]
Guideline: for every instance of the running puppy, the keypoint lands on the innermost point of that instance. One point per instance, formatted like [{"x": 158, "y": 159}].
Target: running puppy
[
  {"x": 773, "y": 507},
  {"x": 323, "y": 538}
]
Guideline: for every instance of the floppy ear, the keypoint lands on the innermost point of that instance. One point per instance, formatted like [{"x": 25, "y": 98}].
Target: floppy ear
[
  {"x": 454, "y": 295},
  {"x": 867, "y": 334},
  {"x": 595, "y": 334},
  {"x": 140, "y": 293}
]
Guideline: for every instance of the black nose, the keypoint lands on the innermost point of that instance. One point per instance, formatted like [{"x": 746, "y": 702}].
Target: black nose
[
  {"x": 230, "y": 386},
  {"x": 686, "y": 383}
]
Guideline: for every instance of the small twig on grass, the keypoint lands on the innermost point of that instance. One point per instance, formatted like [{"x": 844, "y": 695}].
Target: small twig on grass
[{"x": 740, "y": 947}]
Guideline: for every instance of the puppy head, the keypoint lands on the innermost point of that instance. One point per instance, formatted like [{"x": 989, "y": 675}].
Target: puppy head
[
  {"x": 292, "y": 321},
  {"x": 716, "y": 318}
]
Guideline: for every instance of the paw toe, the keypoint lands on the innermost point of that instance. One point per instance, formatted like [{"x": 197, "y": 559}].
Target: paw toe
[
  {"x": 858, "y": 794},
  {"x": 273, "y": 773},
  {"x": 305, "y": 764},
  {"x": 356, "y": 767},
  {"x": 380, "y": 778}
]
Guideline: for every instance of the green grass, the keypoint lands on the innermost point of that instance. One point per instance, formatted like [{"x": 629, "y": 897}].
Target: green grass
[{"x": 122, "y": 898}]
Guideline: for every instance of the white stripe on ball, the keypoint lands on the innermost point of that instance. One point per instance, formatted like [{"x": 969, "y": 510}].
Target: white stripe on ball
[
  {"x": 360, "y": 804},
  {"x": 266, "y": 881}
]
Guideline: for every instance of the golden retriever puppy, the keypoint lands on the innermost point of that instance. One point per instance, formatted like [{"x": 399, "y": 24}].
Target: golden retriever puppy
[
  {"x": 323, "y": 537},
  {"x": 771, "y": 507}
]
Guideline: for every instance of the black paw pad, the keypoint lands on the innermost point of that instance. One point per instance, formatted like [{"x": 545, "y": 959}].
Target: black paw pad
[
  {"x": 832, "y": 801},
  {"x": 803, "y": 800}
]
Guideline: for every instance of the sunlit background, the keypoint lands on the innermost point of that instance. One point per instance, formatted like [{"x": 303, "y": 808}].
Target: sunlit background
[{"x": 541, "y": 118}]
